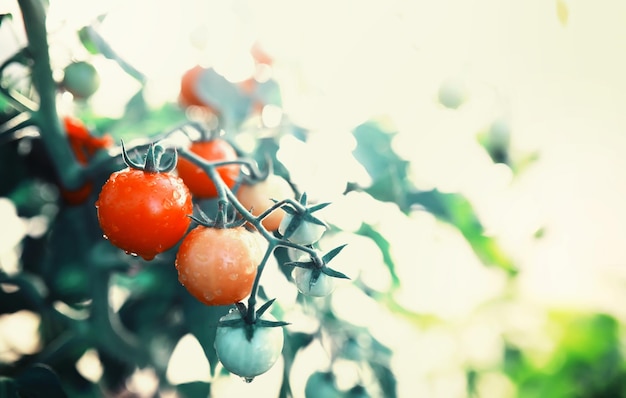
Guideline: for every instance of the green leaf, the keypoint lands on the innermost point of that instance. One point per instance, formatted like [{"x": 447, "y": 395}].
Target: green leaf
[
  {"x": 194, "y": 389},
  {"x": 385, "y": 378},
  {"x": 202, "y": 323},
  {"x": 385, "y": 248}
]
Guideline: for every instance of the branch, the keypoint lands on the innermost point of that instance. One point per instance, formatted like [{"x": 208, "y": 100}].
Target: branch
[{"x": 68, "y": 169}]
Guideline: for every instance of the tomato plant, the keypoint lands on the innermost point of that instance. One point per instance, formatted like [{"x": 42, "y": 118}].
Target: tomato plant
[
  {"x": 258, "y": 197},
  {"x": 244, "y": 355},
  {"x": 214, "y": 150},
  {"x": 144, "y": 211},
  {"x": 218, "y": 265}
]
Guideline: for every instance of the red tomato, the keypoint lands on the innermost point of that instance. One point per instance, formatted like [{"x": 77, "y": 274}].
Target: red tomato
[
  {"x": 196, "y": 179},
  {"x": 218, "y": 265},
  {"x": 258, "y": 197},
  {"x": 84, "y": 145},
  {"x": 144, "y": 213}
]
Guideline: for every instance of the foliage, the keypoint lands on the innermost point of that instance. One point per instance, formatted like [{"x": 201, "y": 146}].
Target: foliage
[{"x": 132, "y": 312}]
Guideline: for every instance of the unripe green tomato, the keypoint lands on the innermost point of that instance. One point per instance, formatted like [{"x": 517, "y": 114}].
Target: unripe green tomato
[
  {"x": 81, "y": 79},
  {"x": 248, "y": 358},
  {"x": 323, "y": 286},
  {"x": 452, "y": 93},
  {"x": 321, "y": 385},
  {"x": 307, "y": 232}
]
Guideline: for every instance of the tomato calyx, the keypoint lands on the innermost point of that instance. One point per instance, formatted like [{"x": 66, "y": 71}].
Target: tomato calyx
[
  {"x": 318, "y": 266},
  {"x": 301, "y": 213},
  {"x": 154, "y": 161},
  {"x": 251, "y": 320},
  {"x": 221, "y": 220}
]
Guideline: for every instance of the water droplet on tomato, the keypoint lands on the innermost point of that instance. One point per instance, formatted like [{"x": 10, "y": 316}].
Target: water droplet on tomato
[
  {"x": 208, "y": 297},
  {"x": 233, "y": 276}
]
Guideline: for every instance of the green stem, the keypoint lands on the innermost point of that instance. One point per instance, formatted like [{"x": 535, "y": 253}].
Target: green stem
[{"x": 68, "y": 169}]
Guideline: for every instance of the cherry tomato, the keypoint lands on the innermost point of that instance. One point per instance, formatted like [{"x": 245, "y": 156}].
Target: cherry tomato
[
  {"x": 81, "y": 79},
  {"x": 144, "y": 213},
  {"x": 196, "y": 179},
  {"x": 218, "y": 265},
  {"x": 258, "y": 197},
  {"x": 323, "y": 286},
  {"x": 248, "y": 358},
  {"x": 188, "y": 85},
  {"x": 307, "y": 232},
  {"x": 84, "y": 145}
]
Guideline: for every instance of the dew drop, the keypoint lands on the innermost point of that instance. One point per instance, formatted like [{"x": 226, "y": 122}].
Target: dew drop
[
  {"x": 248, "y": 379},
  {"x": 233, "y": 276},
  {"x": 208, "y": 297}
]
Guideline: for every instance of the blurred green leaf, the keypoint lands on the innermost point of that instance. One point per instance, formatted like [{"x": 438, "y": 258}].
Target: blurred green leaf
[
  {"x": 196, "y": 389},
  {"x": 202, "y": 322},
  {"x": 385, "y": 247}
]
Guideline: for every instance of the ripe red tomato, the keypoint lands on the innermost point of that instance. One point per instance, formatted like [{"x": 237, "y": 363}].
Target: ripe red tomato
[
  {"x": 84, "y": 145},
  {"x": 188, "y": 90},
  {"x": 218, "y": 265},
  {"x": 196, "y": 179},
  {"x": 248, "y": 358},
  {"x": 144, "y": 213},
  {"x": 258, "y": 197}
]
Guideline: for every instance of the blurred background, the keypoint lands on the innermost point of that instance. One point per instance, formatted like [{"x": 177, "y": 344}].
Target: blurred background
[{"x": 472, "y": 152}]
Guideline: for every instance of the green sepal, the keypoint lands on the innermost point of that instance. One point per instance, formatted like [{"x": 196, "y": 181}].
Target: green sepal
[
  {"x": 317, "y": 207},
  {"x": 153, "y": 162},
  {"x": 263, "y": 323},
  {"x": 331, "y": 254},
  {"x": 262, "y": 309},
  {"x": 335, "y": 274},
  {"x": 300, "y": 264}
]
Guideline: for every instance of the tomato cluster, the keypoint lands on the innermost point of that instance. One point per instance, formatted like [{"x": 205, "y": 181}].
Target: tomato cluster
[{"x": 147, "y": 209}]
